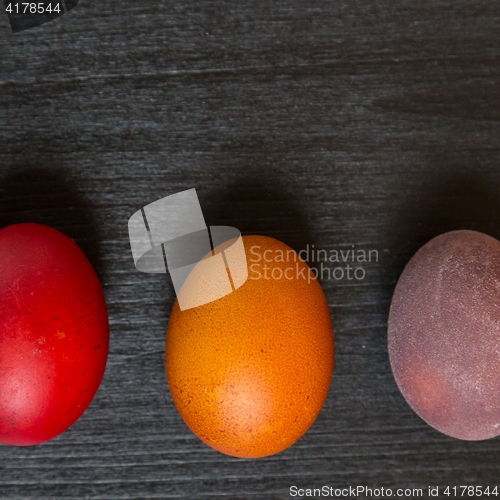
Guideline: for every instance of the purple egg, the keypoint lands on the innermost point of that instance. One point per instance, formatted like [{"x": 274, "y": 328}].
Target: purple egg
[{"x": 444, "y": 334}]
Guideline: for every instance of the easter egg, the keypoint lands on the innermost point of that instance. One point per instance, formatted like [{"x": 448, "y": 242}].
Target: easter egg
[
  {"x": 444, "y": 334},
  {"x": 250, "y": 372},
  {"x": 54, "y": 333}
]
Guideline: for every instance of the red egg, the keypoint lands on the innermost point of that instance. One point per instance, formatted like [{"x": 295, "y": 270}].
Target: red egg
[{"x": 54, "y": 333}]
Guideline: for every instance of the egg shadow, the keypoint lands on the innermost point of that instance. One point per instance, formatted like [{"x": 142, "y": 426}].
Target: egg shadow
[
  {"x": 49, "y": 196},
  {"x": 258, "y": 208},
  {"x": 454, "y": 200},
  {"x": 254, "y": 208},
  {"x": 445, "y": 203}
]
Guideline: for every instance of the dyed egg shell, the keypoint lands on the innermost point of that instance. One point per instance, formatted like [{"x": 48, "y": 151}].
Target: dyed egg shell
[
  {"x": 54, "y": 333},
  {"x": 444, "y": 334},
  {"x": 250, "y": 372}
]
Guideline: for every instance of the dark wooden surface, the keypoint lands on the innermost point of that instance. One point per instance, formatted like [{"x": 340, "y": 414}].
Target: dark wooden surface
[{"x": 329, "y": 123}]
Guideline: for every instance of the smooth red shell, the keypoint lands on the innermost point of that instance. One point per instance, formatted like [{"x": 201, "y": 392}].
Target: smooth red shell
[{"x": 54, "y": 333}]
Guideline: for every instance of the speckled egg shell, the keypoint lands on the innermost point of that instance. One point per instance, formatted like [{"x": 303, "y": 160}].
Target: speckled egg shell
[
  {"x": 444, "y": 334},
  {"x": 250, "y": 372}
]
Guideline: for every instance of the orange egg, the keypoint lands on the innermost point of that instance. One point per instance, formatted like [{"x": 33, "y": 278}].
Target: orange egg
[{"x": 250, "y": 372}]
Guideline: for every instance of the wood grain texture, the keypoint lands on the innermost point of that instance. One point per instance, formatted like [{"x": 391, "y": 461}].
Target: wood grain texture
[{"x": 374, "y": 124}]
